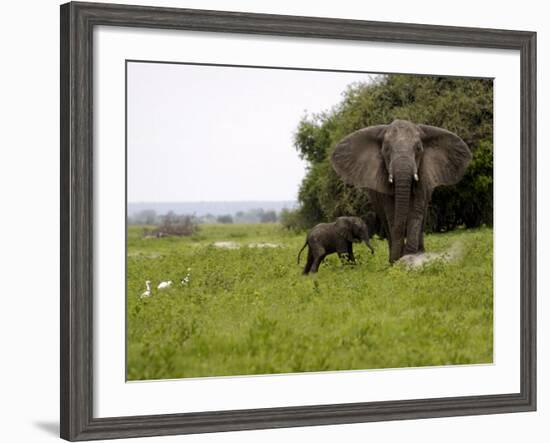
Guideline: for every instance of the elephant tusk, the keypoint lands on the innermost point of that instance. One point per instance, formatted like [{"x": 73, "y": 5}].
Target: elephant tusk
[
  {"x": 390, "y": 178},
  {"x": 415, "y": 177}
]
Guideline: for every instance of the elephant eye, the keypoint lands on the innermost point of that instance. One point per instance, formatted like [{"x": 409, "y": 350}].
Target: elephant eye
[{"x": 418, "y": 147}]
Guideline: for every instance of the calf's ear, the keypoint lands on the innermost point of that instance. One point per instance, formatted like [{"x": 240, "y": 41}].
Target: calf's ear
[{"x": 344, "y": 228}]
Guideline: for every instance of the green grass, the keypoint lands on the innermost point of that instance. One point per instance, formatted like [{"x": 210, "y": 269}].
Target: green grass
[{"x": 250, "y": 311}]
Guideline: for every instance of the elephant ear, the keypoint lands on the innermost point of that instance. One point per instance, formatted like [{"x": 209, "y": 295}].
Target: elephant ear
[
  {"x": 358, "y": 161},
  {"x": 344, "y": 228},
  {"x": 445, "y": 158}
]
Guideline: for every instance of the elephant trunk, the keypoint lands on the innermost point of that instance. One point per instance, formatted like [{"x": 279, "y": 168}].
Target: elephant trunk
[
  {"x": 365, "y": 238},
  {"x": 402, "y": 192}
]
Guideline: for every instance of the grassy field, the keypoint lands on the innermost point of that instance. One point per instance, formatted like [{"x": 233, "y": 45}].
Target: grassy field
[{"x": 250, "y": 311}]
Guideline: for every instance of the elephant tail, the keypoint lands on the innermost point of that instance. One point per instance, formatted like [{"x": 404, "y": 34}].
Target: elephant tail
[{"x": 300, "y": 253}]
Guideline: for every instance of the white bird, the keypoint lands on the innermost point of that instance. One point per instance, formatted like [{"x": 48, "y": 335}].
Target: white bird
[
  {"x": 147, "y": 292},
  {"x": 185, "y": 280},
  {"x": 164, "y": 284}
]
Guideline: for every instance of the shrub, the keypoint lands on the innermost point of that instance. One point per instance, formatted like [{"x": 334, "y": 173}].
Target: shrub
[
  {"x": 224, "y": 219},
  {"x": 173, "y": 225}
]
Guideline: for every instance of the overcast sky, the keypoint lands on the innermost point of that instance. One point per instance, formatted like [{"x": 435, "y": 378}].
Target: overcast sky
[{"x": 209, "y": 133}]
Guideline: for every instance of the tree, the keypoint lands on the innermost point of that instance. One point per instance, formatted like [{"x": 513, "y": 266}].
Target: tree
[
  {"x": 461, "y": 105},
  {"x": 268, "y": 217}
]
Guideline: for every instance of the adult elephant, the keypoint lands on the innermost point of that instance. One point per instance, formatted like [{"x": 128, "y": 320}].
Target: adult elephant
[{"x": 400, "y": 164}]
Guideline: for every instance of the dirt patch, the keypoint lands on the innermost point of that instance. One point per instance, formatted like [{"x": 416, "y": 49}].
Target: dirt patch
[
  {"x": 225, "y": 245},
  {"x": 235, "y": 245},
  {"x": 263, "y": 245},
  {"x": 415, "y": 261}
]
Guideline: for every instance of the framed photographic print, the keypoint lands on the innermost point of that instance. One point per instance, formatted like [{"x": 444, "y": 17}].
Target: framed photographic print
[{"x": 273, "y": 221}]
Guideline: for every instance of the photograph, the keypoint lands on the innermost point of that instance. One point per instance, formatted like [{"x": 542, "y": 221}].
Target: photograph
[{"x": 284, "y": 220}]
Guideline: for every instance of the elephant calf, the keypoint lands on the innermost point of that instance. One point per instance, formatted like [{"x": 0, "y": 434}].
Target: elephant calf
[{"x": 327, "y": 238}]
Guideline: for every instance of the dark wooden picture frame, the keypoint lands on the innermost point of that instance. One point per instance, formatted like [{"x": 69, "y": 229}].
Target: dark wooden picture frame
[{"x": 77, "y": 23}]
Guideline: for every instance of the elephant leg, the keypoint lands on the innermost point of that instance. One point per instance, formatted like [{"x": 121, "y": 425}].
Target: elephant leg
[
  {"x": 413, "y": 236},
  {"x": 415, "y": 224},
  {"x": 389, "y": 211},
  {"x": 388, "y": 237},
  {"x": 421, "y": 236},
  {"x": 309, "y": 263},
  {"x": 384, "y": 206},
  {"x": 317, "y": 262},
  {"x": 349, "y": 251}
]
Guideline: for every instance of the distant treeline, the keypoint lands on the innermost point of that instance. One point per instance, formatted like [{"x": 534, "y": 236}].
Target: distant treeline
[{"x": 151, "y": 217}]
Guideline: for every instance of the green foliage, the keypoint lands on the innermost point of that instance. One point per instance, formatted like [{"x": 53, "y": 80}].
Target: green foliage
[
  {"x": 464, "y": 106},
  {"x": 268, "y": 217},
  {"x": 250, "y": 311},
  {"x": 292, "y": 220}
]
